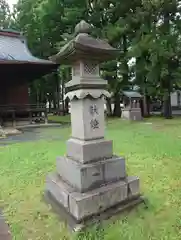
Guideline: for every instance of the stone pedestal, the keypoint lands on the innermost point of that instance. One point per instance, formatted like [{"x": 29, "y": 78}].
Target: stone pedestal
[
  {"x": 82, "y": 206},
  {"x": 133, "y": 114},
  {"x": 131, "y": 110}
]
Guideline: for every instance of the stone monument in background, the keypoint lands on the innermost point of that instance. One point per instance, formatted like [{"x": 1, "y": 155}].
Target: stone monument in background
[
  {"x": 132, "y": 109},
  {"x": 90, "y": 179}
]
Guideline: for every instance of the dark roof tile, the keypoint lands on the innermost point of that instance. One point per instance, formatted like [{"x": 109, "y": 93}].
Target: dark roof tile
[{"x": 15, "y": 49}]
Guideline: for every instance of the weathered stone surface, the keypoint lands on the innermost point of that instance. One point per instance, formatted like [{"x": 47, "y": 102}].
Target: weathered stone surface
[
  {"x": 58, "y": 189},
  {"x": 133, "y": 114},
  {"x": 86, "y": 151},
  {"x": 87, "y": 118},
  {"x": 89, "y": 81},
  {"x": 83, "y": 205},
  {"x": 133, "y": 186},
  {"x": 114, "y": 169},
  {"x": 84, "y": 177},
  {"x": 12, "y": 131},
  {"x": 96, "y": 201},
  {"x": 77, "y": 226},
  {"x": 90, "y": 180}
]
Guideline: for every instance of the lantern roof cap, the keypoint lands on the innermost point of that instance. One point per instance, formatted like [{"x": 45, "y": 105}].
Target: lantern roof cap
[{"x": 84, "y": 47}]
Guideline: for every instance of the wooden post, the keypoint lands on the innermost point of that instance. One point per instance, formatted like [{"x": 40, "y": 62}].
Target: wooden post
[
  {"x": 130, "y": 103},
  {"x": 1, "y": 121},
  {"x": 30, "y": 116},
  {"x": 13, "y": 118}
]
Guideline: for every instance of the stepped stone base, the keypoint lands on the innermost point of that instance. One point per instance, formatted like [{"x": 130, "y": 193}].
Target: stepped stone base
[
  {"x": 84, "y": 177},
  {"x": 133, "y": 114},
  {"x": 74, "y": 226},
  {"x": 81, "y": 206}
]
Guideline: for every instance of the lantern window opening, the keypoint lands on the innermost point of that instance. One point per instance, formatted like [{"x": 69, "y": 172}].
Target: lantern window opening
[{"x": 91, "y": 68}]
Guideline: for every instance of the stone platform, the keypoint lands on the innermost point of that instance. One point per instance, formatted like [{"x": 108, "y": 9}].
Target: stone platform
[
  {"x": 97, "y": 205},
  {"x": 80, "y": 208},
  {"x": 133, "y": 114},
  {"x": 84, "y": 177},
  {"x": 5, "y": 132}
]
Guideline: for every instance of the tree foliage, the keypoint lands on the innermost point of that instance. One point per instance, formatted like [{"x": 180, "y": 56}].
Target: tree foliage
[
  {"x": 4, "y": 14},
  {"x": 147, "y": 31}
]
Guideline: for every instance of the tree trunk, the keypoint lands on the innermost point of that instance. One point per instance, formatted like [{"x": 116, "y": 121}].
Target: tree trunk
[
  {"x": 167, "y": 109},
  {"x": 50, "y": 107},
  {"x": 146, "y": 106},
  {"x": 58, "y": 90},
  {"x": 58, "y": 99},
  {"x": 125, "y": 63},
  {"x": 62, "y": 96},
  {"x": 54, "y": 102},
  {"x": 117, "y": 107},
  {"x": 66, "y": 106},
  {"x": 108, "y": 107},
  {"x": 42, "y": 97}
]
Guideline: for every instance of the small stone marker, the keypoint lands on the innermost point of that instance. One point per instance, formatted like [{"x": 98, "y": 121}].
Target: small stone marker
[
  {"x": 89, "y": 179},
  {"x": 131, "y": 110}
]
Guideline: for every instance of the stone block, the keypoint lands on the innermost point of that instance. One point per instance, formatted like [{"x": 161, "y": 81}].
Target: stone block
[
  {"x": 114, "y": 169},
  {"x": 88, "y": 81},
  {"x": 87, "y": 118},
  {"x": 83, "y": 205},
  {"x": 86, "y": 151},
  {"x": 125, "y": 114},
  {"x": 133, "y": 186},
  {"x": 133, "y": 114},
  {"x": 58, "y": 189},
  {"x": 84, "y": 177}
]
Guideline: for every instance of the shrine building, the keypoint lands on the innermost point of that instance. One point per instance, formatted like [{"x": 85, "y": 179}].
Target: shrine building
[{"x": 18, "y": 68}]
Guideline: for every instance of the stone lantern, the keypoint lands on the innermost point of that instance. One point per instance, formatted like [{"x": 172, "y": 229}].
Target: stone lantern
[
  {"x": 90, "y": 179},
  {"x": 131, "y": 110}
]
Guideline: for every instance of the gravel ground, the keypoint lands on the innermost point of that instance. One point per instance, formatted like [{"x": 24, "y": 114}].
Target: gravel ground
[{"x": 33, "y": 134}]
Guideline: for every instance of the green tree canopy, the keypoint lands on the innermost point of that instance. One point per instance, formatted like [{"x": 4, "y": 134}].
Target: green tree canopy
[{"x": 4, "y": 14}]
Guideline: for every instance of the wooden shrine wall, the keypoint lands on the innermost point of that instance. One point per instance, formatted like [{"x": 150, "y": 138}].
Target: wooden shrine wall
[
  {"x": 14, "y": 95},
  {"x": 2, "y": 96}
]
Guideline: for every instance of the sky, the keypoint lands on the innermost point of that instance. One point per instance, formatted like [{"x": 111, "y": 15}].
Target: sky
[{"x": 11, "y": 2}]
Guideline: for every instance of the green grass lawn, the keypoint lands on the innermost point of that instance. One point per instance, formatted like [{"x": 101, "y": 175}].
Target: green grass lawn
[
  {"x": 153, "y": 152},
  {"x": 62, "y": 119}
]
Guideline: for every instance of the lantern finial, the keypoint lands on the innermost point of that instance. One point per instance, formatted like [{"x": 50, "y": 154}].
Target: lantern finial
[{"x": 82, "y": 27}]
